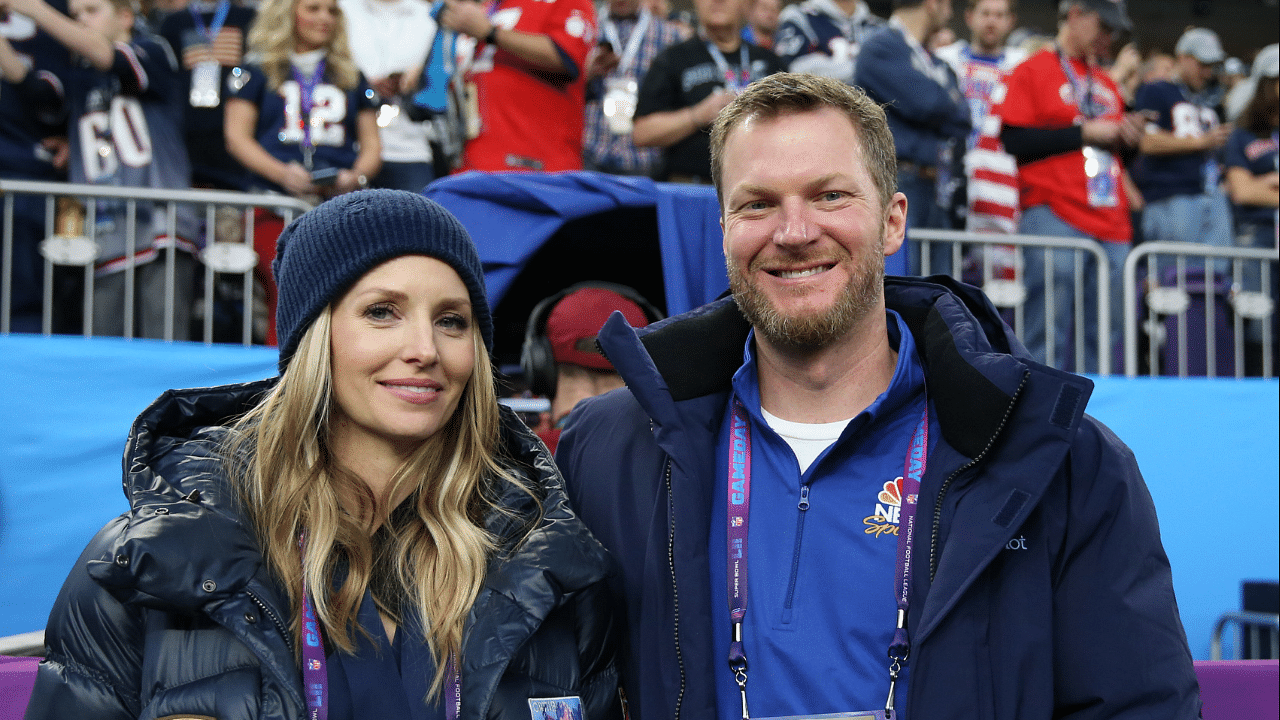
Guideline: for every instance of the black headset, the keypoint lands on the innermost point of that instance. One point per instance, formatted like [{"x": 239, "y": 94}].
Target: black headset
[{"x": 537, "y": 359}]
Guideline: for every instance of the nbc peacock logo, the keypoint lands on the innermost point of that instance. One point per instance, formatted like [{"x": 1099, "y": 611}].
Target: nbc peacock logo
[{"x": 888, "y": 508}]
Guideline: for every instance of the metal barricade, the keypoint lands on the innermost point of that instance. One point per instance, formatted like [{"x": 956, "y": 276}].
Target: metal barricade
[
  {"x": 1012, "y": 293},
  {"x": 74, "y": 244},
  {"x": 1251, "y": 625},
  {"x": 29, "y": 644},
  {"x": 1215, "y": 266}
]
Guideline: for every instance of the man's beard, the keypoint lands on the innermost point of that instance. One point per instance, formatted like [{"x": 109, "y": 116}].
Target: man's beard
[{"x": 811, "y": 332}]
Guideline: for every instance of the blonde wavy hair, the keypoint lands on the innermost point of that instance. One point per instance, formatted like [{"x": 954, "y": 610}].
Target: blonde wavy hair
[
  {"x": 271, "y": 41},
  {"x": 290, "y": 485}
]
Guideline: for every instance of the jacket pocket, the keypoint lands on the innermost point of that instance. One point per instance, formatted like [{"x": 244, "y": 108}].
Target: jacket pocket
[
  {"x": 234, "y": 694},
  {"x": 983, "y": 663}
]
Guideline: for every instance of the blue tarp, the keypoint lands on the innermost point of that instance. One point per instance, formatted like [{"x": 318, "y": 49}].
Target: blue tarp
[
  {"x": 1207, "y": 448},
  {"x": 511, "y": 215}
]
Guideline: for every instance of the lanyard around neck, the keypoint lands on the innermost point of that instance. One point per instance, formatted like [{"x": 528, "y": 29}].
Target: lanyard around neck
[
  {"x": 306, "y": 100},
  {"x": 1084, "y": 98},
  {"x": 629, "y": 54},
  {"x": 732, "y": 81},
  {"x": 315, "y": 675},
  {"x": 738, "y": 520},
  {"x": 215, "y": 24}
]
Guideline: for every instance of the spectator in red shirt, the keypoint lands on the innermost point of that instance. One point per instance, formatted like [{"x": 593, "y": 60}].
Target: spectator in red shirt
[
  {"x": 526, "y": 82},
  {"x": 1065, "y": 123}
]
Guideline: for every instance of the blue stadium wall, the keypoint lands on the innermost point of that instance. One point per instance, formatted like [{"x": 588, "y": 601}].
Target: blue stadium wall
[{"x": 1208, "y": 449}]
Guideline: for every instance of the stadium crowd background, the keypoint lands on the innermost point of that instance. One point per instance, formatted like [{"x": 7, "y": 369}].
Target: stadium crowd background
[{"x": 626, "y": 87}]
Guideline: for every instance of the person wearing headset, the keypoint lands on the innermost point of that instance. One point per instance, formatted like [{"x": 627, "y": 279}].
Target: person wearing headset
[{"x": 560, "y": 358}]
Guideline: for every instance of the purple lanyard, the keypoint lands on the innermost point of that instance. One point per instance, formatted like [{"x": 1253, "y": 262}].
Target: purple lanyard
[
  {"x": 306, "y": 100},
  {"x": 739, "y": 516},
  {"x": 315, "y": 676}
]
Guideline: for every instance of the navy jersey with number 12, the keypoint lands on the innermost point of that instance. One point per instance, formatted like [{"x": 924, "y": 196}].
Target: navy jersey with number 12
[{"x": 279, "y": 131}]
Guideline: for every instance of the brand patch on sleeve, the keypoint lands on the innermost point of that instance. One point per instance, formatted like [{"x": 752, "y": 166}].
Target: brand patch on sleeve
[{"x": 561, "y": 708}]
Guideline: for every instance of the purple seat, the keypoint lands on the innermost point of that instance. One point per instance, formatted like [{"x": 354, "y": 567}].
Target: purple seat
[
  {"x": 1206, "y": 297},
  {"x": 17, "y": 676},
  {"x": 1239, "y": 689}
]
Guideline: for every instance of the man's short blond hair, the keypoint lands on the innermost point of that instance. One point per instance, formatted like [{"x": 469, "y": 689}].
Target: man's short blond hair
[{"x": 787, "y": 93}]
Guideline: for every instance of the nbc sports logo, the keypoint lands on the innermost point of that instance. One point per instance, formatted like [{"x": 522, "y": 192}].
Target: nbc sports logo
[{"x": 888, "y": 507}]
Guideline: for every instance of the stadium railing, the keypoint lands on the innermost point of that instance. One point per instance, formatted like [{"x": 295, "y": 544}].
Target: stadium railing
[
  {"x": 988, "y": 257},
  {"x": 23, "y": 645},
  {"x": 73, "y": 244},
  {"x": 1185, "y": 285},
  {"x": 1251, "y": 624}
]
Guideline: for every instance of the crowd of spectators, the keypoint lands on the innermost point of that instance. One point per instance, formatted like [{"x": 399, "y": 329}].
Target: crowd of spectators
[{"x": 1071, "y": 131}]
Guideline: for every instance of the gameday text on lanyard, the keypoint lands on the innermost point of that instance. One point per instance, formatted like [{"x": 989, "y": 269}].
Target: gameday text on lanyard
[
  {"x": 739, "y": 515},
  {"x": 315, "y": 676}
]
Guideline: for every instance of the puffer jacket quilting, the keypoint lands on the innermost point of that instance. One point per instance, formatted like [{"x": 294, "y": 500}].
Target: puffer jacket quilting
[{"x": 170, "y": 610}]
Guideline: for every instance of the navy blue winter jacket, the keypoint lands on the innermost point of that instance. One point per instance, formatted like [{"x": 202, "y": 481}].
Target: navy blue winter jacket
[
  {"x": 171, "y": 612},
  {"x": 1081, "y": 625}
]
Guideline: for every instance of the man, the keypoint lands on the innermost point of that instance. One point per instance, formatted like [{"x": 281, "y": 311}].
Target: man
[
  {"x": 560, "y": 358},
  {"x": 823, "y": 37},
  {"x": 991, "y": 174},
  {"x": 1064, "y": 121},
  {"x": 689, "y": 82},
  {"x": 1177, "y": 170},
  {"x": 768, "y": 432},
  {"x": 525, "y": 85},
  {"x": 630, "y": 37},
  {"x": 762, "y": 22},
  {"x": 928, "y": 115}
]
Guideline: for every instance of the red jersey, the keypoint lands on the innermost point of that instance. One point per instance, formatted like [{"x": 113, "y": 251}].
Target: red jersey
[
  {"x": 530, "y": 119},
  {"x": 1038, "y": 94}
]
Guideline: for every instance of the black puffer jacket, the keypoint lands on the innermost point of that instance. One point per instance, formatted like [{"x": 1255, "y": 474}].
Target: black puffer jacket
[{"x": 171, "y": 610}]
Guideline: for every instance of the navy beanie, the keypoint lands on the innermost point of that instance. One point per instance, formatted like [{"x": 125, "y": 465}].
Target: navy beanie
[{"x": 326, "y": 250}]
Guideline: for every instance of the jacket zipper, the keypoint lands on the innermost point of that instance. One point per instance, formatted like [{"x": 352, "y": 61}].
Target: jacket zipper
[
  {"x": 280, "y": 626},
  {"x": 803, "y": 507},
  {"x": 675, "y": 589},
  {"x": 942, "y": 492}
]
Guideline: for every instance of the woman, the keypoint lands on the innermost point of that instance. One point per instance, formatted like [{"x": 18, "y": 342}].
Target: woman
[
  {"x": 300, "y": 116},
  {"x": 370, "y": 526}
]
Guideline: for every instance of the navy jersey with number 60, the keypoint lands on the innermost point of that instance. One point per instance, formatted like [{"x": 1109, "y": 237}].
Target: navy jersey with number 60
[
  {"x": 125, "y": 130},
  {"x": 279, "y": 130}
]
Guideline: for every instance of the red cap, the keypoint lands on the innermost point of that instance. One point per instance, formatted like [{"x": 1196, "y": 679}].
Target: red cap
[{"x": 575, "y": 321}]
